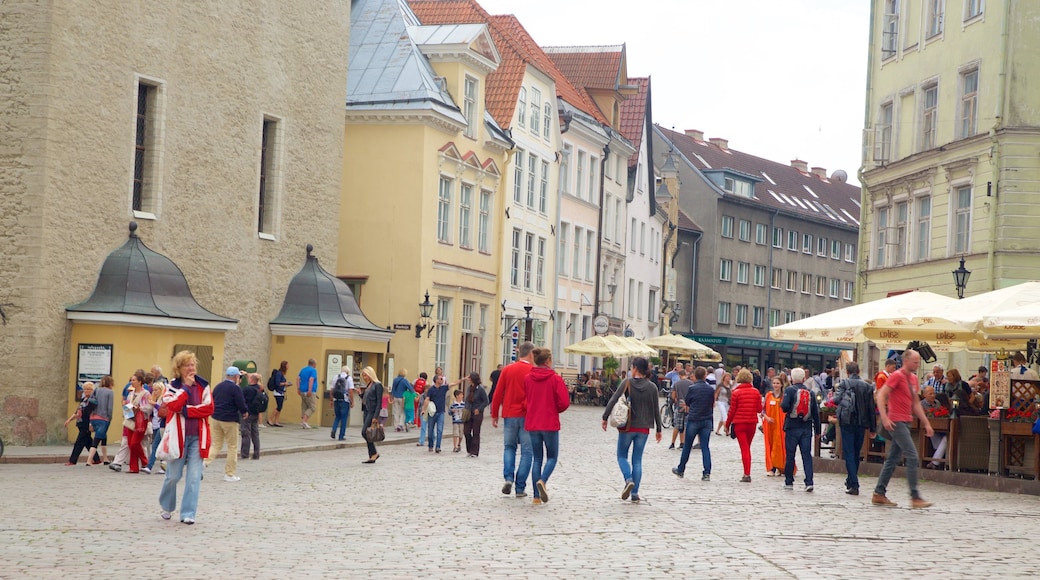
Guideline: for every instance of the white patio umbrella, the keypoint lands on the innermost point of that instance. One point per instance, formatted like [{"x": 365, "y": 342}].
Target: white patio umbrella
[
  {"x": 887, "y": 320},
  {"x": 1008, "y": 314},
  {"x": 679, "y": 344},
  {"x": 601, "y": 346},
  {"x": 639, "y": 348}
]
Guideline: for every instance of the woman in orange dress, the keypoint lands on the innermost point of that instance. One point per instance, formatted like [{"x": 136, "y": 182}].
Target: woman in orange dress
[{"x": 773, "y": 428}]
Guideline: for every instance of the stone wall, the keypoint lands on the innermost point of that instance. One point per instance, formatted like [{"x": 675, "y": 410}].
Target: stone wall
[{"x": 67, "y": 115}]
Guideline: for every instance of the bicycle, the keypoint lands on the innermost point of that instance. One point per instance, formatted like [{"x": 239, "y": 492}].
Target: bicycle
[{"x": 666, "y": 415}]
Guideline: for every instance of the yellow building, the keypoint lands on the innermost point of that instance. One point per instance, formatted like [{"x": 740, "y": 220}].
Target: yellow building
[
  {"x": 950, "y": 171},
  {"x": 423, "y": 203}
]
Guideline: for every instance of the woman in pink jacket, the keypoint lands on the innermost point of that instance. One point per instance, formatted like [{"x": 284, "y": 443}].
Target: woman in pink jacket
[
  {"x": 547, "y": 397},
  {"x": 745, "y": 404}
]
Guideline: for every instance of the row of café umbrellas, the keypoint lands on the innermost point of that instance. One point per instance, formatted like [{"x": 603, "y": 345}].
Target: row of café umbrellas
[
  {"x": 1001, "y": 319},
  {"x": 621, "y": 346}
]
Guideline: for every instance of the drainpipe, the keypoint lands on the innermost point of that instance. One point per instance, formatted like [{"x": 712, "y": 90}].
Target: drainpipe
[
  {"x": 599, "y": 233},
  {"x": 995, "y": 155},
  {"x": 769, "y": 291},
  {"x": 564, "y": 127}
]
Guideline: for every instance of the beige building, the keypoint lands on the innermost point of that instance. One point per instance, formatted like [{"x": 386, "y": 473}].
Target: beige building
[
  {"x": 951, "y": 170},
  {"x": 223, "y": 142}
]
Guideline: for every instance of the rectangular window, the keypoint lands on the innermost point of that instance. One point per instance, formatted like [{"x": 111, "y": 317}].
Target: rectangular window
[
  {"x": 806, "y": 283},
  {"x": 935, "y": 17},
  {"x": 929, "y": 118},
  {"x": 483, "y": 317},
  {"x": 606, "y": 168},
  {"x": 268, "y": 170},
  {"x": 546, "y": 121},
  {"x": 608, "y": 218},
  {"x": 518, "y": 177},
  {"x": 776, "y": 279},
  {"x": 792, "y": 240},
  {"x": 727, "y": 226},
  {"x": 807, "y": 244},
  {"x": 631, "y": 297},
  {"x": 883, "y": 134},
  {"x": 743, "y": 269},
  {"x": 582, "y": 161},
  {"x": 821, "y": 285},
  {"x": 848, "y": 291},
  {"x": 619, "y": 222},
  {"x": 441, "y": 354},
  {"x": 561, "y": 259},
  {"x": 821, "y": 247},
  {"x": 725, "y": 270},
  {"x": 590, "y": 246},
  {"x": 444, "y": 210},
  {"x": 969, "y": 103},
  {"x": 579, "y": 239},
  {"x": 761, "y": 233},
  {"x": 834, "y": 287},
  {"x": 724, "y": 312},
  {"x": 642, "y": 238},
  {"x": 593, "y": 173},
  {"x": 521, "y": 107},
  {"x": 528, "y": 260},
  {"x": 890, "y": 29},
  {"x": 540, "y": 270},
  {"x": 972, "y": 8},
  {"x": 899, "y": 254},
  {"x": 514, "y": 262},
  {"x": 469, "y": 106},
  {"x": 484, "y": 222},
  {"x": 774, "y": 317},
  {"x": 619, "y": 166},
  {"x": 639, "y": 301},
  {"x": 961, "y": 205},
  {"x": 565, "y": 169},
  {"x": 744, "y": 231},
  {"x": 147, "y": 145},
  {"x": 924, "y": 228},
  {"x": 536, "y": 111},
  {"x": 465, "y": 211},
  {"x": 651, "y": 312},
  {"x": 788, "y": 317},
  {"x": 741, "y": 315},
  {"x": 532, "y": 178},
  {"x": 543, "y": 191},
  {"x": 850, "y": 253},
  {"x": 760, "y": 275},
  {"x": 778, "y": 237},
  {"x": 792, "y": 281},
  {"x": 467, "y": 317},
  {"x": 632, "y": 238},
  {"x": 758, "y": 316},
  {"x": 881, "y": 247},
  {"x": 835, "y": 249}
]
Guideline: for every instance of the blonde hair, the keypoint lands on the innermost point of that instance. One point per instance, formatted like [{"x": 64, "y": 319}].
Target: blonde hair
[
  {"x": 182, "y": 358},
  {"x": 370, "y": 374},
  {"x": 745, "y": 376},
  {"x": 402, "y": 373}
]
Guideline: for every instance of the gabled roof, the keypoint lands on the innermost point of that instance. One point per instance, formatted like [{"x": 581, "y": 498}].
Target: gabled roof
[
  {"x": 518, "y": 51},
  {"x": 634, "y": 111},
  {"x": 591, "y": 67},
  {"x": 386, "y": 70},
  {"x": 778, "y": 185},
  {"x": 686, "y": 223}
]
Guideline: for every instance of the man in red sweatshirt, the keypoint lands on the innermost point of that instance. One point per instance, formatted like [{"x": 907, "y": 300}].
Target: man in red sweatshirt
[{"x": 511, "y": 400}]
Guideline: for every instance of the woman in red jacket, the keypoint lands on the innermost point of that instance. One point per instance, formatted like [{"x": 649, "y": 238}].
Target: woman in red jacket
[
  {"x": 547, "y": 397},
  {"x": 745, "y": 405}
]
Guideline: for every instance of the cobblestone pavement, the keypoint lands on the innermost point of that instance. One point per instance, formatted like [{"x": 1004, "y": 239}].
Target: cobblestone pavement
[{"x": 413, "y": 513}]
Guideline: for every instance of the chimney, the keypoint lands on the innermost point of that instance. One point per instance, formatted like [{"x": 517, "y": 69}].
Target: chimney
[
  {"x": 720, "y": 143},
  {"x": 819, "y": 172},
  {"x": 698, "y": 135},
  {"x": 800, "y": 165}
]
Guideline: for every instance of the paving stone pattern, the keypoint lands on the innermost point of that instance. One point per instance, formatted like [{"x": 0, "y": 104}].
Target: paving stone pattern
[{"x": 418, "y": 514}]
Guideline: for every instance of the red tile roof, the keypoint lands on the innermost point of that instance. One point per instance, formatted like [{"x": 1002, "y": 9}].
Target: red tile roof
[
  {"x": 633, "y": 115},
  {"x": 591, "y": 67},
  {"x": 517, "y": 49},
  {"x": 687, "y": 223}
]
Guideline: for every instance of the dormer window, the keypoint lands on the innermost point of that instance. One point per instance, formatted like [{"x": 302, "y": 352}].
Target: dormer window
[
  {"x": 521, "y": 108},
  {"x": 469, "y": 106},
  {"x": 737, "y": 187}
]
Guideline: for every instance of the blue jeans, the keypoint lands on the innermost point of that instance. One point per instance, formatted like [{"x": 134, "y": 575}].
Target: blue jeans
[
  {"x": 702, "y": 430},
  {"x": 633, "y": 472},
  {"x": 174, "y": 470},
  {"x": 549, "y": 442},
  {"x": 513, "y": 434},
  {"x": 851, "y": 444},
  {"x": 900, "y": 444},
  {"x": 156, "y": 438},
  {"x": 798, "y": 438},
  {"x": 436, "y": 426},
  {"x": 342, "y": 410}
]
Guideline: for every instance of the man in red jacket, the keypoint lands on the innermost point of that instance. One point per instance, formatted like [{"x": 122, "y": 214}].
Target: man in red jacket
[{"x": 511, "y": 399}]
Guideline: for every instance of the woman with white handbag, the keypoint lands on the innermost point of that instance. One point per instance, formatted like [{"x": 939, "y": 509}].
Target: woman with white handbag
[{"x": 640, "y": 396}]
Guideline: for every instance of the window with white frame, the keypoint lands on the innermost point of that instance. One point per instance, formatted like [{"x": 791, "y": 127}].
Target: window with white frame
[
  {"x": 465, "y": 215},
  {"x": 807, "y": 243},
  {"x": 850, "y": 253},
  {"x": 642, "y": 238},
  {"x": 774, "y": 317},
  {"x": 740, "y": 318},
  {"x": 848, "y": 291},
  {"x": 593, "y": 177},
  {"x": 565, "y": 168},
  {"x": 632, "y": 238},
  {"x": 619, "y": 222},
  {"x": 579, "y": 240},
  {"x": 924, "y": 228},
  {"x": 467, "y": 316},
  {"x": 969, "y": 103},
  {"x": 590, "y": 246},
  {"x": 724, "y": 308},
  {"x": 883, "y": 133},
  {"x": 518, "y": 177},
  {"x": 514, "y": 261},
  {"x": 929, "y": 115},
  {"x": 521, "y": 107},
  {"x": 484, "y": 223},
  {"x": 960, "y": 208},
  {"x": 631, "y": 297},
  {"x": 761, "y": 234},
  {"x": 758, "y": 316},
  {"x": 760, "y": 275},
  {"x": 483, "y": 317},
  {"x": 536, "y": 111},
  {"x": 821, "y": 285},
  {"x": 608, "y": 217},
  {"x": 935, "y": 17},
  {"x": 575, "y": 328},
  {"x": 744, "y": 231},
  {"x": 821, "y": 247},
  {"x": 727, "y": 226},
  {"x": 469, "y": 105},
  {"x": 777, "y": 278},
  {"x": 792, "y": 240},
  {"x": 890, "y": 29},
  {"x": 619, "y": 167},
  {"x": 528, "y": 260},
  {"x": 561, "y": 259},
  {"x": 606, "y": 166},
  {"x": 441, "y": 345},
  {"x": 899, "y": 254},
  {"x": 834, "y": 287},
  {"x": 778, "y": 237},
  {"x": 543, "y": 190},
  {"x": 792, "y": 281},
  {"x": 532, "y": 178},
  {"x": 835, "y": 249},
  {"x": 973, "y": 8},
  {"x": 881, "y": 237},
  {"x": 725, "y": 270},
  {"x": 743, "y": 270},
  {"x": 539, "y": 280},
  {"x": 651, "y": 311},
  {"x": 270, "y": 162},
  {"x": 806, "y": 283},
  {"x": 639, "y": 301},
  {"x": 444, "y": 210},
  {"x": 547, "y": 121},
  {"x": 789, "y": 317},
  {"x": 582, "y": 161},
  {"x": 149, "y": 121}
]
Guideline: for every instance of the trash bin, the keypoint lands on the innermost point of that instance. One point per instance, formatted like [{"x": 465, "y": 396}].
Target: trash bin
[{"x": 247, "y": 366}]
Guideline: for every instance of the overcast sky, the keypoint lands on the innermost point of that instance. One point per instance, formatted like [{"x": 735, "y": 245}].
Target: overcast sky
[{"x": 781, "y": 79}]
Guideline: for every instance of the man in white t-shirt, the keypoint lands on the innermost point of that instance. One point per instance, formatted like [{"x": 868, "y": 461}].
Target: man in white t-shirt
[{"x": 1020, "y": 371}]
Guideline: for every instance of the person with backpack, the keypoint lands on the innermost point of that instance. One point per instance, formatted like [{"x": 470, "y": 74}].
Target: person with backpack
[
  {"x": 803, "y": 421},
  {"x": 341, "y": 391},
  {"x": 249, "y": 428},
  {"x": 856, "y": 415},
  {"x": 277, "y": 384},
  {"x": 399, "y": 387}
]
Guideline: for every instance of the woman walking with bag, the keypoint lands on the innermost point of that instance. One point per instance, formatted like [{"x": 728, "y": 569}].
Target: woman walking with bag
[
  {"x": 643, "y": 413},
  {"x": 745, "y": 405},
  {"x": 189, "y": 405},
  {"x": 476, "y": 402},
  {"x": 547, "y": 397},
  {"x": 371, "y": 403}
]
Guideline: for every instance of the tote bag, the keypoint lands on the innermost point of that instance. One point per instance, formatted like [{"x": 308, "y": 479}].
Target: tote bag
[{"x": 622, "y": 411}]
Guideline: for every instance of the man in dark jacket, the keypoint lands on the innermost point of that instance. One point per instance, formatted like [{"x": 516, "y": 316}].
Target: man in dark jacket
[
  {"x": 229, "y": 406},
  {"x": 856, "y": 415},
  {"x": 799, "y": 430},
  {"x": 700, "y": 406}
]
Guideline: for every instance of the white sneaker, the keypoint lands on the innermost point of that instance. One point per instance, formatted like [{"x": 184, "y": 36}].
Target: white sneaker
[
  {"x": 161, "y": 471},
  {"x": 232, "y": 478},
  {"x": 146, "y": 470}
]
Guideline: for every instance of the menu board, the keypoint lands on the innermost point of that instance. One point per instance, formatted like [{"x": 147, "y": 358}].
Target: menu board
[{"x": 999, "y": 390}]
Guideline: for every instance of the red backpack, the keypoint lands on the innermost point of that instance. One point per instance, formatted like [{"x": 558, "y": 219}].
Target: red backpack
[{"x": 802, "y": 405}]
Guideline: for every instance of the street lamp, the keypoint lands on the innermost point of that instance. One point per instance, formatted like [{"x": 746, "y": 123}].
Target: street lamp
[
  {"x": 528, "y": 323},
  {"x": 960, "y": 278},
  {"x": 425, "y": 309}
]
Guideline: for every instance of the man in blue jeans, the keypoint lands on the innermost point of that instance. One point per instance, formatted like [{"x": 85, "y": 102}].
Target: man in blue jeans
[
  {"x": 799, "y": 429},
  {"x": 854, "y": 400},
  {"x": 438, "y": 393},
  {"x": 511, "y": 400},
  {"x": 700, "y": 406}
]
